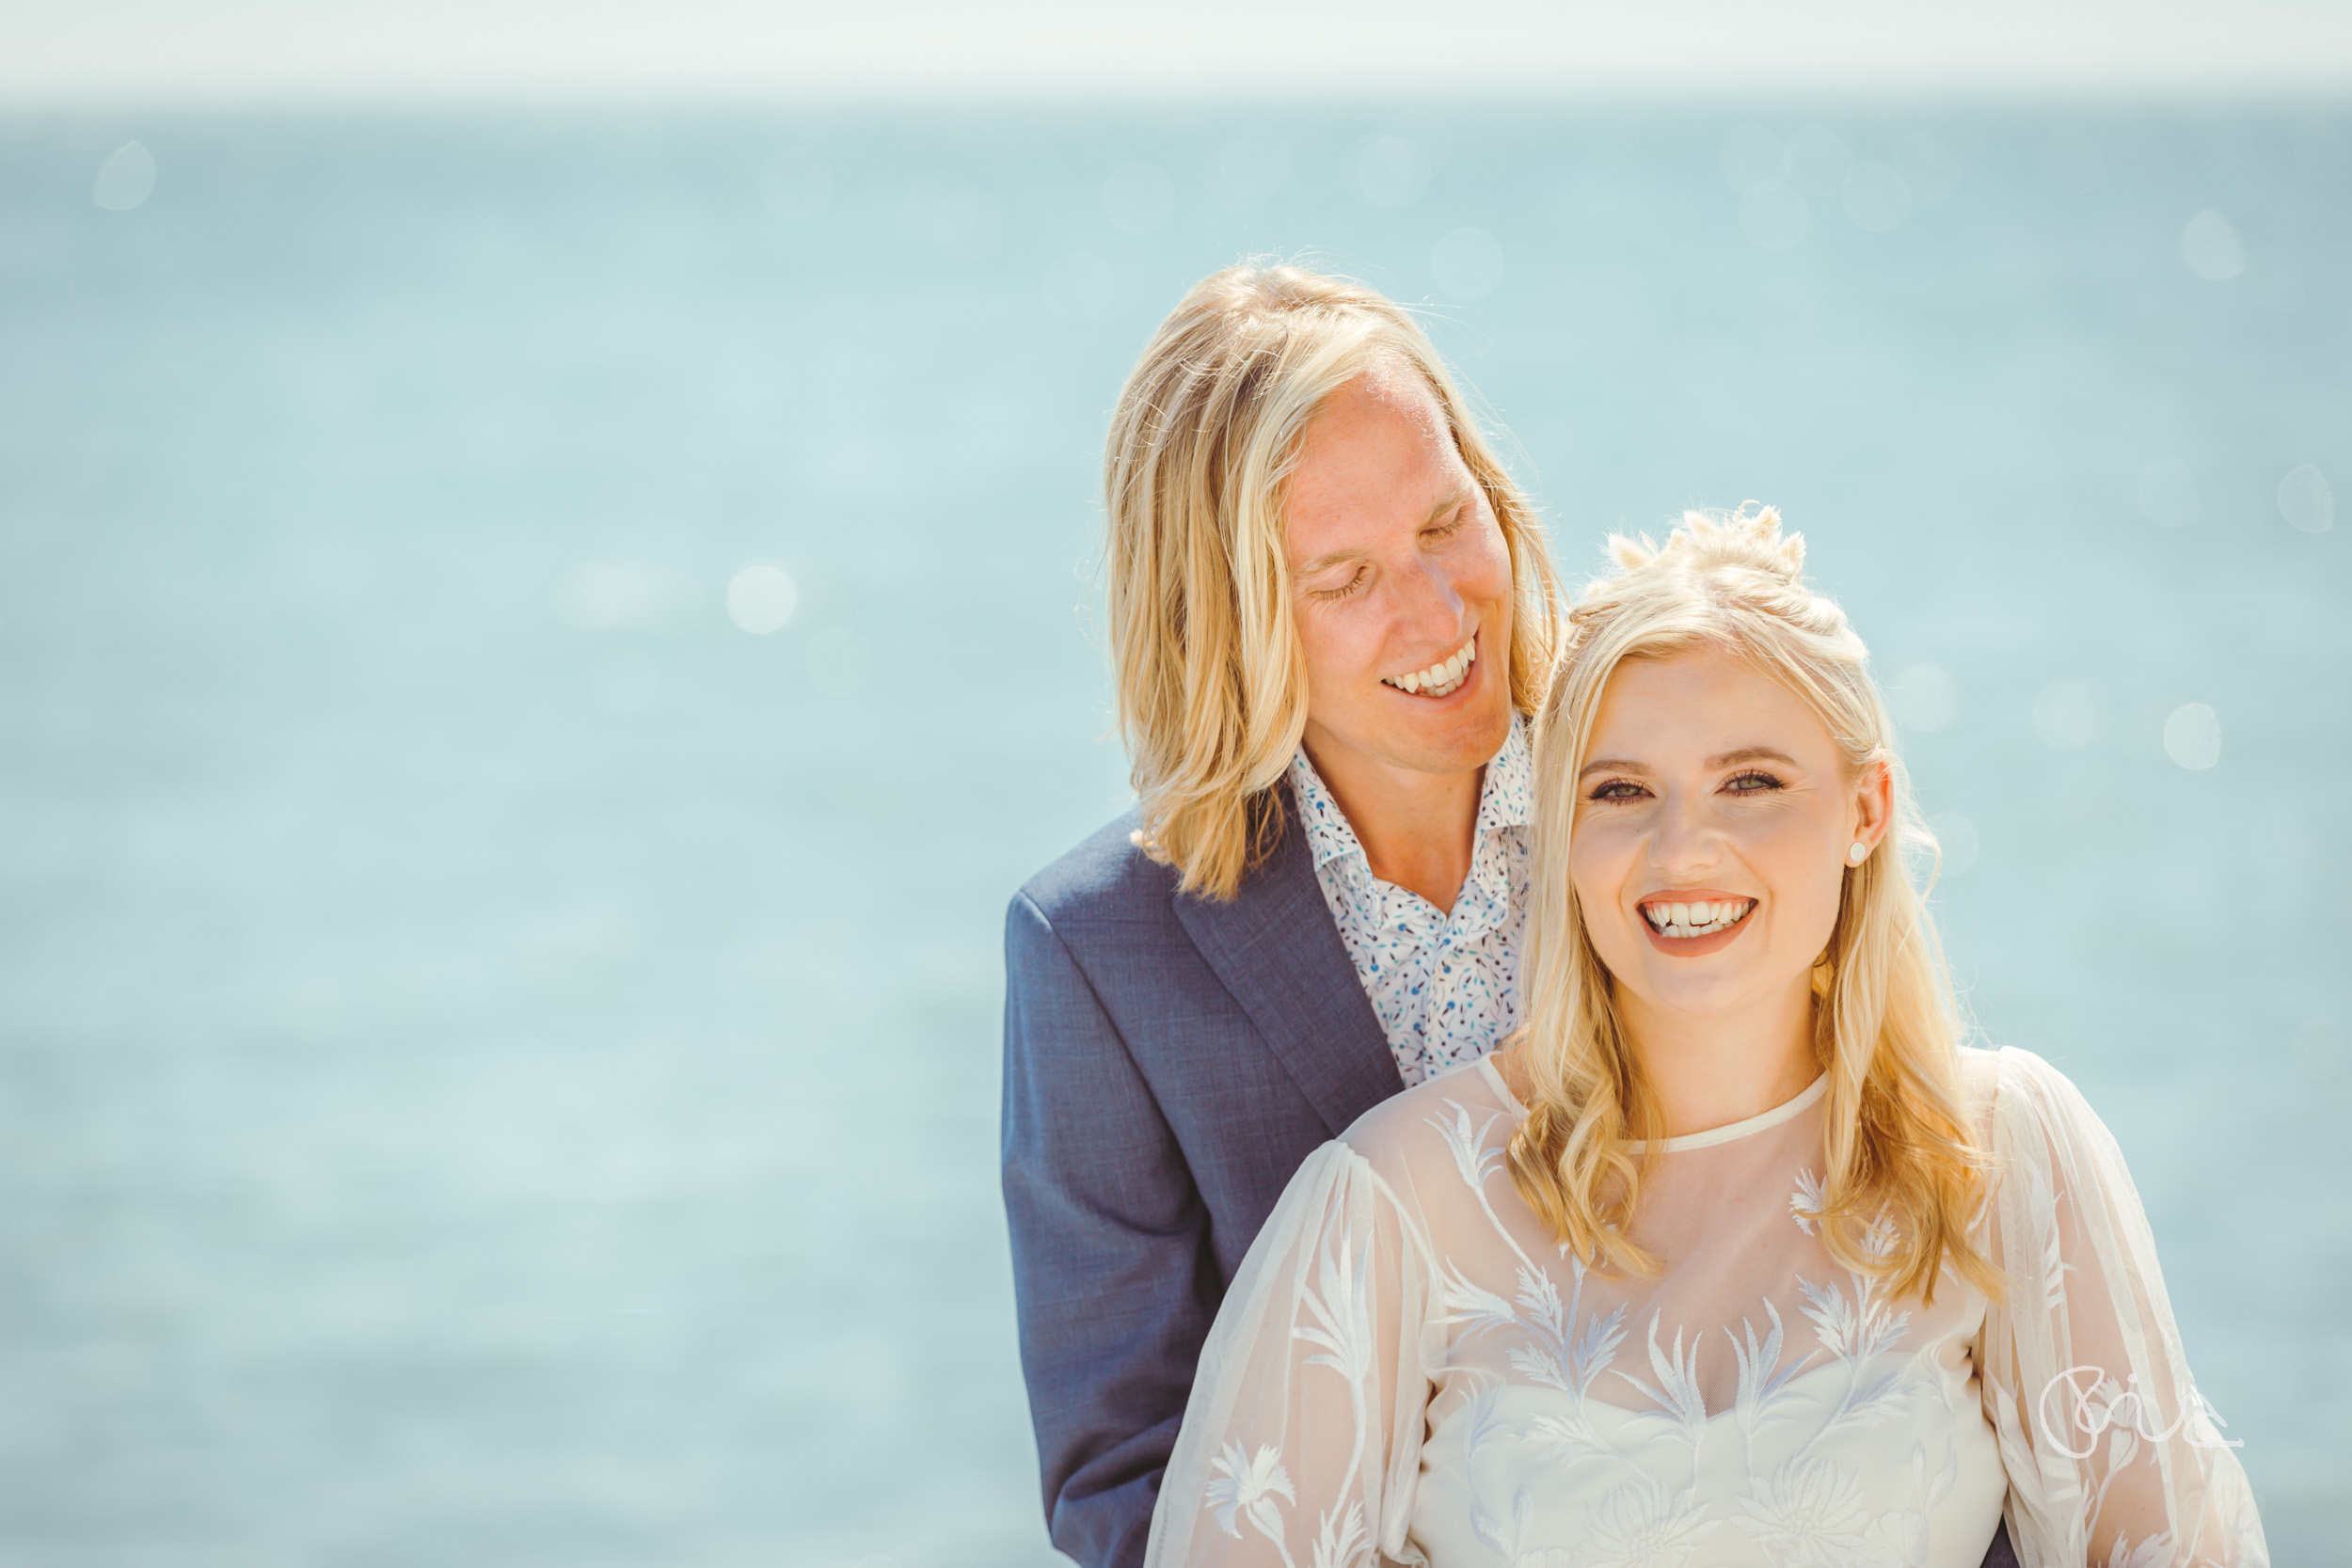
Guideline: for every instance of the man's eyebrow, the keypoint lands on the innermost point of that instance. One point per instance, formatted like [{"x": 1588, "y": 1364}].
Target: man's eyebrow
[
  {"x": 1445, "y": 503},
  {"x": 1725, "y": 759},
  {"x": 1333, "y": 558}
]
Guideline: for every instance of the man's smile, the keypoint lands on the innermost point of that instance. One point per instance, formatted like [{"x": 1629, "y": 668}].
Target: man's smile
[{"x": 1441, "y": 680}]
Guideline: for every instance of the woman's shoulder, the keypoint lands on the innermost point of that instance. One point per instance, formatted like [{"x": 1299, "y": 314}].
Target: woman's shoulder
[
  {"x": 2017, "y": 1095},
  {"x": 1447, "y": 1118}
]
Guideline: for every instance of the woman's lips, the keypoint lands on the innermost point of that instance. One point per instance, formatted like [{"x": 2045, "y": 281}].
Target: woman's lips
[{"x": 1719, "y": 919}]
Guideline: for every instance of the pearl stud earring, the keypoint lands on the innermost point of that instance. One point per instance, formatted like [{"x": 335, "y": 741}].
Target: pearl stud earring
[{"x": 1859, "y": 853}]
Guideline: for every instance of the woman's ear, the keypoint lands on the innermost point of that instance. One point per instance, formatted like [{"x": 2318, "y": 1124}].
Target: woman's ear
[{"x": 1874, "y": 803}]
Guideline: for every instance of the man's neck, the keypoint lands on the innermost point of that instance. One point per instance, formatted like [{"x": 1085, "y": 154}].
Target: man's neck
[{"x": 1419, "y": 829}]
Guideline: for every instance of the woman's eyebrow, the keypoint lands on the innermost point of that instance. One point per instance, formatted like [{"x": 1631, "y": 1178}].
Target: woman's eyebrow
[{"x": 1725, "y": 759}]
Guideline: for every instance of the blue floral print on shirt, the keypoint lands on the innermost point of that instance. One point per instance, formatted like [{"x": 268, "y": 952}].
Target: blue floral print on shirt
[{"x": 1445, "y": 988}]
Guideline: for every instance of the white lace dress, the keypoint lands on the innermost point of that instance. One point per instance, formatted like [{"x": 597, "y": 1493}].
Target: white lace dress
[{"x": 1408, "y": 1371}]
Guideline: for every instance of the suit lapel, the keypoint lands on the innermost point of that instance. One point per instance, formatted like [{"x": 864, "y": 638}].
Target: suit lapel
[{"x": 1276, "y": 950}]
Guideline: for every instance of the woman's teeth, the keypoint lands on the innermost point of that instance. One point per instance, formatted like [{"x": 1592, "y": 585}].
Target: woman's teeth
[
  {"x": 1441, "y": 678},
  {"x": 1696, "y": 920}
]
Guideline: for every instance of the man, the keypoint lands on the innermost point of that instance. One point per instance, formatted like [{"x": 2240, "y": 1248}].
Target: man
[
  {"x": 1330, "y": 613},
  {"x": 1329, "y": 607}
]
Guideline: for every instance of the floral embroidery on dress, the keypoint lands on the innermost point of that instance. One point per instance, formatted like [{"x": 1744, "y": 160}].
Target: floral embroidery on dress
[{"x": 1419, "y": 1374}]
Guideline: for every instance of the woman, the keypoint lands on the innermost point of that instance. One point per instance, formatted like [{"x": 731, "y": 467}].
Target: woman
[{"x": 1733, "y": 1255}]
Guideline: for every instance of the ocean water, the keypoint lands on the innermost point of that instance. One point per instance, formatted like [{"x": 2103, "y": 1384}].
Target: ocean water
[{"x": 497, "y": 1062}]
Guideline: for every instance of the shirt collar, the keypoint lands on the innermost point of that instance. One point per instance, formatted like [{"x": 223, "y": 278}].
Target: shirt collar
[{"x": 1505, "y": 800}]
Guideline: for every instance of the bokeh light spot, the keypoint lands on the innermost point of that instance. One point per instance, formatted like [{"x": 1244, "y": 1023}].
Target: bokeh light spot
[
  {"x": 1876, "y": 198},
  {"x": 126, "y": 179},
  {"x": 1819, "y": 162},
  {"x": 1393, "y": 171},
  {"x": 2066, "y": 714},
  {"x": 2192, "y": 737},
  {"x": 1924, "y": 698},
  {"x": 2306, "y": 502},
  {"x": 1931, "y": 170},
  {"x": 2211, "y": 248},
  {"x": 1468, "y": 263},
  {"x": 760, "y": 598},
  {"x": 1138, "y": 198},
  {"x": 2167, "y": 493}
]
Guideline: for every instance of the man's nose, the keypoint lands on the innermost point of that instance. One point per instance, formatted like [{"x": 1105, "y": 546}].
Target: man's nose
[{"x": 1429, "y": 611}]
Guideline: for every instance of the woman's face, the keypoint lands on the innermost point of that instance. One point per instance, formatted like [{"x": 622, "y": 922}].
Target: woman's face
[
  {"x": 1713, "y": 816},
  {"x": 1399, "y": 576}
]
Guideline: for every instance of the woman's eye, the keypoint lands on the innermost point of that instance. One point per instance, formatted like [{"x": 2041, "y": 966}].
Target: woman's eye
[
  {"x": 1619, "y": 789},
  {"x": 1751, "y": 784}
]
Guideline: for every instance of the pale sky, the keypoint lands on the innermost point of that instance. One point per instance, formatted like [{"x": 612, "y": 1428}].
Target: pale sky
[{"x": 63, "y": 54}]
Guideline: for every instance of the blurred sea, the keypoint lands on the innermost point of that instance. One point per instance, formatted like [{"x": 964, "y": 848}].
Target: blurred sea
[{"x": 498, "y": 1063}]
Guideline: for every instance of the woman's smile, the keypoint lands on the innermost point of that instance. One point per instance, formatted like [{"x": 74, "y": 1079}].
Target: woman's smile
[{"x": 1690, "y": 923}]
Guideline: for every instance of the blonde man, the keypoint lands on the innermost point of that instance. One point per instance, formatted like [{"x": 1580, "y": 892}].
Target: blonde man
[{"x": 1330, "y": 611}]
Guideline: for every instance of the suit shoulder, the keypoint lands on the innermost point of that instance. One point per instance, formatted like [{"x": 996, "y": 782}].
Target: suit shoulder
[{"x": 1104, "y": 877}]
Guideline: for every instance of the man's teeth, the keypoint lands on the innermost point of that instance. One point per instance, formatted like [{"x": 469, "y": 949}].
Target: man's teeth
[
  {"x": 1700, "y": 919},
  {"x": 1441, "y": 678}
]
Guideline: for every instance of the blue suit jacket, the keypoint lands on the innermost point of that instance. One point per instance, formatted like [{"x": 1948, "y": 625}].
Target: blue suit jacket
[{"x": 1169, "y": 1064}]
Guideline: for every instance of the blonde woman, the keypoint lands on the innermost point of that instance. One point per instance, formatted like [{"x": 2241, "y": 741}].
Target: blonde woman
[
  {"x": 1330, "y": 610},
  {"x": 1734, "y": 1254}
]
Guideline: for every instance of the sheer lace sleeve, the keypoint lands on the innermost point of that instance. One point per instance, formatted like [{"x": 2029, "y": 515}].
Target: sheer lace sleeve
[
  {"x": 1302, "y": 1437},
  {"x": 2112, "y": 1455}
]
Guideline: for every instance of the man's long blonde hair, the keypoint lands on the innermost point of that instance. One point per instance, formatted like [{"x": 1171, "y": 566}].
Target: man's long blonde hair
[
  {"x": 1898, "y": 1144},
  {"x": 1212, "y": 691}
]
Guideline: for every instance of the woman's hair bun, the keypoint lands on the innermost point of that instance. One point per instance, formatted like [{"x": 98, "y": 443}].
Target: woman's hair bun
[{"x": 1744, "y": 540}]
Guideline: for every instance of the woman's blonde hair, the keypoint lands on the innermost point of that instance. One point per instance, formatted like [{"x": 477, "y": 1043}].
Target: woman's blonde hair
[
  {"x": 1905, "y": 1177},
  {"x": 1212, "y": 692}
]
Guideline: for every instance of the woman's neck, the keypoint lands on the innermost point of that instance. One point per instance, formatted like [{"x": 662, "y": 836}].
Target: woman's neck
[{"x": 1712, "y": 1070}]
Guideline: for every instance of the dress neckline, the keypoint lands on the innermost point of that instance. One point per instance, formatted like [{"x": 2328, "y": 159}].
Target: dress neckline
[{"x": 1796, "y": 1104}]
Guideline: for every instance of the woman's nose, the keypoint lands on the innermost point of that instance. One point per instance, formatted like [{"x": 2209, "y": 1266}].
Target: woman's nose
[{"x": 1686, "y": 836}]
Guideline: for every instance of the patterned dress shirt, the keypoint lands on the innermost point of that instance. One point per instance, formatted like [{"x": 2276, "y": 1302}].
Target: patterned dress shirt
[{"x": 1444, "y": 987}]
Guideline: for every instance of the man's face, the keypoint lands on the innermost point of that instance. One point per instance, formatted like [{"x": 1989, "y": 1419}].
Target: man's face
[{"x": 1400, "y": 585}]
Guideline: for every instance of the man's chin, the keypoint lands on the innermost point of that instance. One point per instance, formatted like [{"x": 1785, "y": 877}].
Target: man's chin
[{"x": 1455, "y": 743}]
